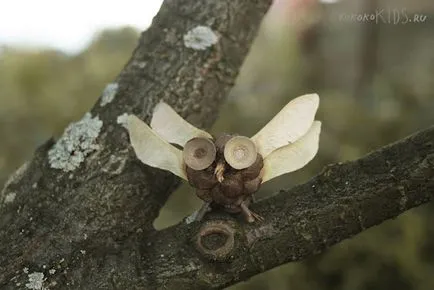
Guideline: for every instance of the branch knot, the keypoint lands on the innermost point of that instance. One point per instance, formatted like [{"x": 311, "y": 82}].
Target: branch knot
[{"x": 216, "y": 240}]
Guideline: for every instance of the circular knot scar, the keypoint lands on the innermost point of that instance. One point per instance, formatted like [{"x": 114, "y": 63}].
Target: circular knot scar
[{"x": 216, "y": 240}]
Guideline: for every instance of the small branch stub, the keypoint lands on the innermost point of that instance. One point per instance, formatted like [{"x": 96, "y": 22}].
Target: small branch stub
[{"x": 216, "y": 240}]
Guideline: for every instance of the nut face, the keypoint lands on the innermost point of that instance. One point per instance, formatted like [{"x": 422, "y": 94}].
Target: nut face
[
  {"x": 240, "y": 152},
  {"x": 227, "y": 170},
  {"x": 234, "y": 185},
  {"x": 199, "y": 153}
]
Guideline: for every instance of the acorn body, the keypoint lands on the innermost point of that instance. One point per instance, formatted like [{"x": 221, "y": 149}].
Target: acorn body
[{"x": 222, "y": 184}]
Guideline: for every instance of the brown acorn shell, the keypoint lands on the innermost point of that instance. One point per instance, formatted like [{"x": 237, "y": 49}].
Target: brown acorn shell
[
  {"x": 232, "y": 186},
  {"x": 219, "y": 198},
  {"x": 204, "y": 194},
  {"x": 201, "y": 179},
  {"x": 221, "y": 141},
  {"x": 253, "y": 171},
  {"x": 252, "y": 186}
]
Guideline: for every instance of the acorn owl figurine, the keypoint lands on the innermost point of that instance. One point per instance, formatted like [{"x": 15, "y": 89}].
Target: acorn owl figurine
[{"x": 227, "y": 170}]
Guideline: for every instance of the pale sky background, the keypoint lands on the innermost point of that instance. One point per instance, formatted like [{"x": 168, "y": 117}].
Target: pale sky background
[{"x": 69, "y": 25}]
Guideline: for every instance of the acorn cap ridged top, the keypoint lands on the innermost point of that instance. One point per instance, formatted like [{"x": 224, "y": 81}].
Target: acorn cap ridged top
[
  {"x": 240, "y": 152},
  {"x": 199, "y": 153}
]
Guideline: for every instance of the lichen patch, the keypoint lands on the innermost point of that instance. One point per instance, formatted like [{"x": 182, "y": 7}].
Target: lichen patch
[
  {"x": 76, "y": 143},
  {"x": 10, "y": 197},
  {"x": 36, "y": 281},
  {"x": 200, "y": 38},
  {"x": 122, "y": 119},
  {"x": 109, "y": 94}
]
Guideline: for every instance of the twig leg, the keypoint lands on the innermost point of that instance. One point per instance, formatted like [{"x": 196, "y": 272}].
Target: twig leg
[
  {"x": 250, "y": 215},
  {"x": 202, "y": 211}
]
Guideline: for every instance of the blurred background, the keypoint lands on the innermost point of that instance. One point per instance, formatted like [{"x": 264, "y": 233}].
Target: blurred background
[{"x": 371, "y": 61}]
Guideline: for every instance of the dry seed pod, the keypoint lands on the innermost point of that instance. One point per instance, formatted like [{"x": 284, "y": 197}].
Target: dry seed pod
[
  {"x": 252, "y": 186},
  {"x": 254, "y": 170},
  {"x": 240, "y": 152},
  {"x": 204, "y": 194},
  {"x": 221, "y": 141},
  {"x": 201, "y": 179},
  {"x": 219, "y": 198},
  {"x": 232, "y": 185},
  {"x": 199, "y": 153}
]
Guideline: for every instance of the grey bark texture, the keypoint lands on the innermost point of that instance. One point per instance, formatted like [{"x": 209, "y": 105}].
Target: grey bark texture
[{"x": 91, "y": 228}]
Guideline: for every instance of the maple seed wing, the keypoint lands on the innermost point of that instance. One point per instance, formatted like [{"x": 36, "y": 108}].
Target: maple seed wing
[
  {"x": 292, "y": 122},
  {"x": 152, "y": 150},
  {"x": 293, "y": 156},
  {"x": 172, "y": 127}
]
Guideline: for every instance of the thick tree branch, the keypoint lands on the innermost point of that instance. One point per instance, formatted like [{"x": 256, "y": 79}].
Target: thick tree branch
[
  {"x": 91, "y": 227},
  {"x": 79, "y": 228},
  {"x": 342, "y": 201}
]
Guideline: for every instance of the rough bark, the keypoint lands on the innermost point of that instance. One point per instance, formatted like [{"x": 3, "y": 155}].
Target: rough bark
[
  {"x": 340, "y": 202},
  {"x": 93, "y": 225},
  {"x": 88, "y": 224}
]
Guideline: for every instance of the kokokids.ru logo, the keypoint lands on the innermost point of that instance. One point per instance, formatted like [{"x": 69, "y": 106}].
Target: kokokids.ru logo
[{"x": 386, "y": 16}]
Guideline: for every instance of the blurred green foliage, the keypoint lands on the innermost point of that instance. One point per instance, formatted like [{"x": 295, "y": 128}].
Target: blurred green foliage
[{"x": 42, "y": 91}]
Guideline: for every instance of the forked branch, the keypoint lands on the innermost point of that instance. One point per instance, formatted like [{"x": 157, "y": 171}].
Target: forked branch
[{"x": 87, "y": 224}]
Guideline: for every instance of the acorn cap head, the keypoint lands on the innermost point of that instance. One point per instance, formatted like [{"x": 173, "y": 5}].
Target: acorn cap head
[
  {"x": 199, "y": 153},
  {"x": 240, "y": 152}
]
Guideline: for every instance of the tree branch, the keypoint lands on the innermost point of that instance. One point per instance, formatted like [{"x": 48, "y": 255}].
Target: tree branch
[
  {"x": 77, "y": 223},
  {"x": 90, "y": 227},
  {"x": 342, "y": 201}
]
